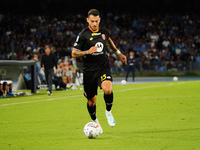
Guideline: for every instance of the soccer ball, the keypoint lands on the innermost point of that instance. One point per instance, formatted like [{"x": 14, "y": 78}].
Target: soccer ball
[
  {"x": 92, "y": 130},
  {"x": 175, "y": 79},
  {"x": 123, "y": 82}
]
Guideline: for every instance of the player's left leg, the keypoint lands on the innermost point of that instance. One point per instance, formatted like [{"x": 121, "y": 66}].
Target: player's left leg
[
  {"x": 108, "y": 94},
  {"x": 91, "y": 106},
  {"x": 108, "y": 97}
]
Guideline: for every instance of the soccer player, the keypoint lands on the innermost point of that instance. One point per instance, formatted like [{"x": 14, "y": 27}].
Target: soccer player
[{"x": 91, "y": 44}]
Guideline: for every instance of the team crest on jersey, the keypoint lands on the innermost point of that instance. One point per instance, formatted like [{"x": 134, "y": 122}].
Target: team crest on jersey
[{"x": 103, "y": 36}]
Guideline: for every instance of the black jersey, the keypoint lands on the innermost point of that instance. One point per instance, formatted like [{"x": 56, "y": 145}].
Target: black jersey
[{"x": 88, "y": 38}]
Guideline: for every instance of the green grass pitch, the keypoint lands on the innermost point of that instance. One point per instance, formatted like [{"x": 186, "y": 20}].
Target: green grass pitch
[{"x": 149, "y": 116}]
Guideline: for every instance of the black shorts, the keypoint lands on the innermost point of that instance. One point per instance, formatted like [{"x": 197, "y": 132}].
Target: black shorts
[{"x": 91, "y": 81}]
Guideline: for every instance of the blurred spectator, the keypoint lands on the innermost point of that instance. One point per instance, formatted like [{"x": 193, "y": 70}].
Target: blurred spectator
[
  {"x": 68, "y": 72},
  {"x": 131, "y": 66},
  {"x": 58, "y": 73},
  {"x": 9, "y": 90},
  {"x": 65, "y": 73},
  {"x": 118, "y": 65},
  {"x": 153, "y": 38},
  {"x": 6, "y": 90},
  {"x": 10, "y": 87},
  {"x": 1, "y": 90},
  {"x": 38, "y": 68}
]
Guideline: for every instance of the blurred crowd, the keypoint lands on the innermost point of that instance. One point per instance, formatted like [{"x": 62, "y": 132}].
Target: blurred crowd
[
  {"x": 6, "y": 89},
  {"x": 152, "y": 38}
]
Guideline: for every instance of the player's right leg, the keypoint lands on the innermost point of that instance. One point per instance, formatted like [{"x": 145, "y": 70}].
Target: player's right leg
[
  {"x": 91, "y": 106},
  {"x": 90, "y": 92}
]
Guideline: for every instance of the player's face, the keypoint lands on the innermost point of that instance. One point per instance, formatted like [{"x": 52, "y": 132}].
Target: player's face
[{"x": 93, "y": 22}]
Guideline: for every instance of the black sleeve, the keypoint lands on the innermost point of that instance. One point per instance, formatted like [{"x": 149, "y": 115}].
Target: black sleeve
[{"x": 79, "y": 43}]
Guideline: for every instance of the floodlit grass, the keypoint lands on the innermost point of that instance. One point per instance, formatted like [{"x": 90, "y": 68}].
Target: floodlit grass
[{"x": 149, "y": 116}]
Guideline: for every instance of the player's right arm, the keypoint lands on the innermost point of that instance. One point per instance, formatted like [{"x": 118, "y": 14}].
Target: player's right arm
[
  {"x": 79, "y": 47},
  {"x": 78, "y": 53},
  {"x": 121, "y": 56}
]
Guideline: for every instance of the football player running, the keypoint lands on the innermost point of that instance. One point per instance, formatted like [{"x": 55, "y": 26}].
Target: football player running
[{"x": 91, "y": 44}]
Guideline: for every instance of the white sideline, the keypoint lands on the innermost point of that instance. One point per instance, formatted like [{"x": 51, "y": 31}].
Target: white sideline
[
  {"x": 52, "y": 99},
  {"x": 35, "y": 101}
]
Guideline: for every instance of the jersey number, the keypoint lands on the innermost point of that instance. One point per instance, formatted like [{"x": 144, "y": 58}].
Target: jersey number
[{"x": 103, "y": 77}]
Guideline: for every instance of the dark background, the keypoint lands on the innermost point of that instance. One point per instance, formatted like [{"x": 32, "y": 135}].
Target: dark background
[{"x": 63, "y": 7}]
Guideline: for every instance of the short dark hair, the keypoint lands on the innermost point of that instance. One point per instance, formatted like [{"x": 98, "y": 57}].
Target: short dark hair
[
  {"x": 93, "y": 12},
  {"x": 47, "y": 46},
  {"x": 4, "y": 86}
]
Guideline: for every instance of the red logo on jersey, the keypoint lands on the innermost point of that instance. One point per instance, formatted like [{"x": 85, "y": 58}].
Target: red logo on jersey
[{"x": 103, "y": 36}]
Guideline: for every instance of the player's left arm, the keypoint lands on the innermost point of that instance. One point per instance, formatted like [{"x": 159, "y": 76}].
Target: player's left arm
[{"x": 112, "y": 46}]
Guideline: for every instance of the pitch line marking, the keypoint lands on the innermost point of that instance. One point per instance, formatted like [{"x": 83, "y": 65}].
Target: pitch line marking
[{"x": 51, "y": 99}]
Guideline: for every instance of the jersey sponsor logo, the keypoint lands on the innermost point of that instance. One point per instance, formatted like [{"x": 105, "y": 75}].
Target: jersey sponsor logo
[
  {"x": 95, "y": 54},
  {"x": 108, "y": 77},
  {"x": 99, "y": 46},
  {"x": 95, "y": 34}
]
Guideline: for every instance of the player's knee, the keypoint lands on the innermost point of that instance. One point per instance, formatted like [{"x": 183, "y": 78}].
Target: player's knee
[
  {"x": 107, "y": 87},
  {"x": 92, "y": 101},
  {"x": 107, "y": 91}
]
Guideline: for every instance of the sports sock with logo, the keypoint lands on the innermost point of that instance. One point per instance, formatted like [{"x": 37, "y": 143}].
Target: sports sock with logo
[
  {"x": 108, "y": 100},
  {"x": 92, "y": 111}
]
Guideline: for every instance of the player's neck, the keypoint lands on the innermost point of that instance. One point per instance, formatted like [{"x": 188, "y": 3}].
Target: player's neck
[
  {"x": 93, "y": 30},
  {"x": 48, "y": 54}
]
